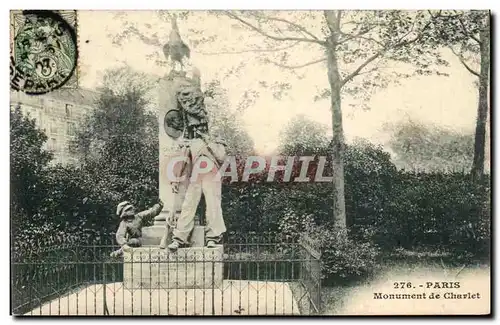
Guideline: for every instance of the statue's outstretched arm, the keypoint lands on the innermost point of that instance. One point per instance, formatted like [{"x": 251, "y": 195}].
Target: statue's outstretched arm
[{"x": 150, "y": 213}]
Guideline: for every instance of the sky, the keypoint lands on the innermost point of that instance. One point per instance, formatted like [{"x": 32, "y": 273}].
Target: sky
[{"x": 450, "y": 102}]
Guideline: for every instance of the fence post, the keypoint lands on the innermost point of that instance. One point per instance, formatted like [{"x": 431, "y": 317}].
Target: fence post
[
  {"x": 318, "y": 262},
  {"x": 105, "y": 310},
  {"x": 213, "y": 285},
  {"x": 313, "y": 269}
]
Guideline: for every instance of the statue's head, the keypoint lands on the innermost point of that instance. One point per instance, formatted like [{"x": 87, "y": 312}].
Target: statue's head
[
  {"x": 190, "y": 97},
  {"x": 125, "y": 210}
]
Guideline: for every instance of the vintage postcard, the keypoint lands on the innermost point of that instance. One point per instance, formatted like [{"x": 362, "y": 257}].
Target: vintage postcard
[{"x": 242, "y": 163}]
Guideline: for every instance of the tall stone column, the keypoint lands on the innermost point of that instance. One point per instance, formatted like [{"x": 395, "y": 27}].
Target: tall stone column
[{"x": 170, "y": 148}]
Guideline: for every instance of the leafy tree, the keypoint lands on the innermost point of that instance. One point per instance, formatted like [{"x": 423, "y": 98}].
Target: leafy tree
[
  {"x": 118, "y": 141},
  {"x": 467, "y": 35},
  {"x": 302, "y": 136},
  {"x": 125, "y": 79},
  {"x": 226, "y": 122},
  {"x": 429, "y": 147},
  {"x": 28, "y": 163}
]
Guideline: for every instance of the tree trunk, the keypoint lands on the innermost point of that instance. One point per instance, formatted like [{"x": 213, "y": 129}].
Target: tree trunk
[
  {"x": 339, "y": 214},
  {"x": 482, "y": 108}
]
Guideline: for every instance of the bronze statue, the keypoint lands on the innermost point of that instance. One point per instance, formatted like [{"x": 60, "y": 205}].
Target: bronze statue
[
  {"x": 209, "y": 184},
  {"x": 129, "y": 232},
  {"x": 176, "y": 49},
  {"x": 191, "y": 103}
]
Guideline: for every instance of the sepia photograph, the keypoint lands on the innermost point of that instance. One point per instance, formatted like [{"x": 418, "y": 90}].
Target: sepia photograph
[{"x": 250, "y": 162}]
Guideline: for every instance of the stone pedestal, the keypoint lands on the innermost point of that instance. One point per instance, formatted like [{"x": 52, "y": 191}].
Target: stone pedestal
[
  {"x": 151, "y": 236},
  {"x": 189, "y": 268}
]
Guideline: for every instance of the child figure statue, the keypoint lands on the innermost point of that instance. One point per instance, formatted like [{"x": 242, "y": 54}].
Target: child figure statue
[{"x": 129, "y": 232}]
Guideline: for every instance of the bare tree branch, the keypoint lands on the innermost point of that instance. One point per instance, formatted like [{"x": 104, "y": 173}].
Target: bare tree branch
[
  {"x": 351, "y": 36},
  {"x": 368, "y": 71},
  {"x": 299, "y": 27},
  {"x": 356, "y": 72},
  {"x": 376, "y": 68},
  {"x": 273, "y": 37},
  {"x": 371, "y": 39},
  {"x": 401, "y": 42},
  {"x": 154, "y": 41},
  {"x": 296, "y": 66},
  {"x": 462, "y": 60},
  {"x": 251, "y": 50},
  {"x": 350, "y": 22}
]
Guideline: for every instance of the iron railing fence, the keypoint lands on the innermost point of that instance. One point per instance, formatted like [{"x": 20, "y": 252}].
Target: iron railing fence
[{"x": 246, "y": 278}]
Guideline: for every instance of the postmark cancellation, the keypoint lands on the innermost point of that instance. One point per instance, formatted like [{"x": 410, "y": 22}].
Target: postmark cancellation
[{"x": 44, "y": 50}]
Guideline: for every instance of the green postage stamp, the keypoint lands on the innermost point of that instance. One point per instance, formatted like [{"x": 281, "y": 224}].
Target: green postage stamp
[{"x": 44, "y": 50}]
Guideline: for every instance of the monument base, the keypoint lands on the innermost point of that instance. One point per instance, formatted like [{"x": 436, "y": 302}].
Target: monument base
[
  {"x": 151, "y": 236},
  {"x": 189, "y": 268}
]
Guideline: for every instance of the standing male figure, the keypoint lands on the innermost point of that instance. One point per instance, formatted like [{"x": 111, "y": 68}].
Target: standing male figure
[{"x": 207, "y": 157}]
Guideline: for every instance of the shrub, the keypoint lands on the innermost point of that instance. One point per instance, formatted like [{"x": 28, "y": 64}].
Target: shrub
[
  {"x": 434, "y": 210},
  {"x": 369, "y": 177},
  {"x": 71, "y": 211},
  {"x": 243, "y": 208},
  {"x": 471, "y": 238},
  {"x": 292, "y": 225},
  {"x": 294, "y": 203},
  {"x": 342, "y": 258}
]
